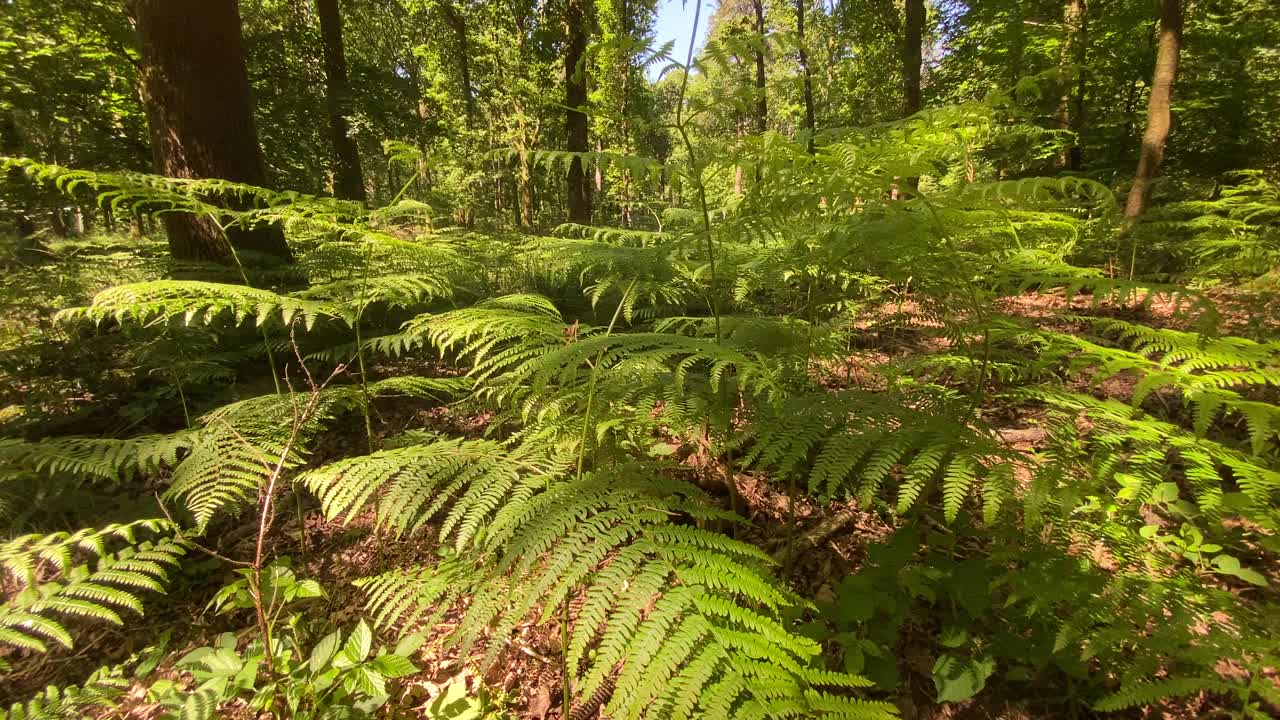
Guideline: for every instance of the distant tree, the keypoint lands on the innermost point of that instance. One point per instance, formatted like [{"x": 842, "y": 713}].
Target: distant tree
[
  {"x": 803, "y": 53},
  {"x": 200, "y": 112},
  {"x": 20, "y": 215},
  {"x": 762, "y": 101},
  {"x": 457, "y": 22},
  {"x": 912, "y": 55},
  {"x": 348, "y": 178},
  {"x": 576, "y": 23},
  {"x": 1159, "y": 116},
  {"x": 1071, "y": 102}
]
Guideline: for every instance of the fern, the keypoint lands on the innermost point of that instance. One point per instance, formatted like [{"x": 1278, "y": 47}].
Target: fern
[
  {"x": 852, "y": 441},
  {"x": 1211, "y": 373},
  {"x": 1150, "y": 693},
  {"x": 242, "y": 444},
  {"x": 102, "y": 459},
  {"x": 101, "y": 690},
  {"x": 543, "y": 536},
  {"x": 202, "y": 302},
  {"x": 50, "y": 579}
]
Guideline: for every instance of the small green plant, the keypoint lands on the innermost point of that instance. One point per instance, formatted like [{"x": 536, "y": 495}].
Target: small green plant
[
  {"x": 455, "y": 702},
  {"x": 337, "y": 678}
]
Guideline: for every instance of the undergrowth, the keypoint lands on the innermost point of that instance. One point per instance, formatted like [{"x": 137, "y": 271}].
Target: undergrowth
[{"x": 629, "y": 378}]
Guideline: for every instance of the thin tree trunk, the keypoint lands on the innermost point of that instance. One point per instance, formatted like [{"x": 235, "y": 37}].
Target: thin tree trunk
[
  {"x": 1159, "y": 117},
  {"x": 1070, "y": 115},
  {"x": 575, "y": 96},
  {"x": 458, "y": 24},
  {"x": 762, "y": 102},
  {"x": 737, "y": 168},
  {"x": 348, "y": 178},
  {"x": 200, "y": 112},
  {"x": 11, "y": 145},
  {"x": 524, "y": 214},
  {"x": 912, "y": 56},
  {"x": 809, "y": 121}
]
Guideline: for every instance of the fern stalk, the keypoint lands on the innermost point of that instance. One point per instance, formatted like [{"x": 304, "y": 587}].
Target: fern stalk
[
  {"x": 364, "y": 377},
  {"x": 567, "y": 693},
  {"x": 696, "y": 173},
  {"x": 244, "y": 277},
  {"x": 364, "y": 287},
  {"x": 696, "y": 176}
]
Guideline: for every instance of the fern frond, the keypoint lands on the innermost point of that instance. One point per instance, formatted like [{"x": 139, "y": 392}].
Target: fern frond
[
  {"x": 1150, "y": 693},
  {"x": 674, "y": 606},
  {"x": 54, "y": 581},
  {"x": 197, "y": 302}
]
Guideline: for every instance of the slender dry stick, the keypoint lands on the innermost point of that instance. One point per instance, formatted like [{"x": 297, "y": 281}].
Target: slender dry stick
[
  {"x": 300, "y": 420},
  {"x": 202, "y": 548}
]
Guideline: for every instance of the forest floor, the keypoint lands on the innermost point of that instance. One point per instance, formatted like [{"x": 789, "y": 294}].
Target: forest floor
[{"x": 817, "y": 546}]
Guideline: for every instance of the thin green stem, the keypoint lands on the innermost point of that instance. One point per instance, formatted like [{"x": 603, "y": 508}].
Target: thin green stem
[
  {"x": 244, "y": 277},
  {"x": 591, "y": 383},
  {"x": 567, "y": 694},
  {"x": 186, "y": 413},
  {"x": 364, "y": 381},
  {"x": 695, "y": 175}
]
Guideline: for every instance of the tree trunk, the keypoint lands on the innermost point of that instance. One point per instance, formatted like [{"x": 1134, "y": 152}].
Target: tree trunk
[
  {"x": 1070, "y": 115},
  {"x": 912, "y": 56},
  {"x": 524, "y": 183},
  {"x": 458, "y": 24},
  {"x": 21, "y": 191},
  {"x": 575, "y": 96},
  {"x": 762, "y": 103},
  {"x": 200, "y": 112},
  {"x": 348, "y": 178},
  {"x": 1158, "y": 114},
  {"x": 809, "y": 121}
]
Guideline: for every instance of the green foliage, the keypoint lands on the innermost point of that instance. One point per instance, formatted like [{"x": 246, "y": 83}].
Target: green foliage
[
  {"x": 851, "y": 442},
  {"x": 620, "y": 375},
  {"x": 50, "y": 579},
  {"x": 102, "y": 689},
  {"x": 337, "y": 679},
  {"x": 701, "y": 647}
]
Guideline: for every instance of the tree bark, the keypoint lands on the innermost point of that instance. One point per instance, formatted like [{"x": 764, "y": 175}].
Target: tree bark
[
  {"x": 912, "y": 56},
  {"x": 809, "y": 121},
  {"x": 575, "y": 96},
  {"x": 762, "y": 102},
  {"x": 1159, "y": 117},
  {"x": 196, "y": 90},
  {"x": 348, "y": 177},
  {"x": 1070, "y": 115}
]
